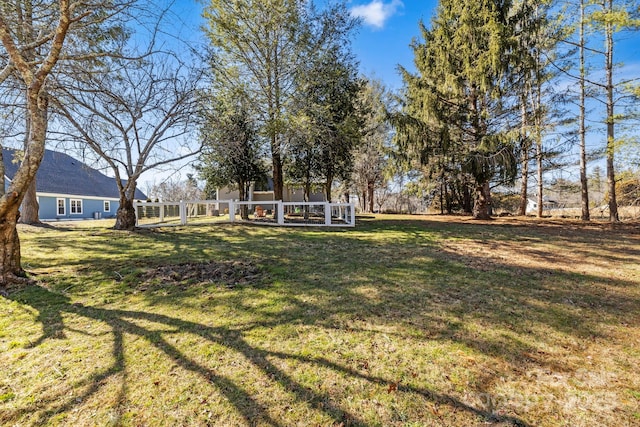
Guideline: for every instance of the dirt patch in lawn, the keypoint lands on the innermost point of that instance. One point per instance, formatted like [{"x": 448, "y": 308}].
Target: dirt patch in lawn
[{"x": 228, "y": 274}]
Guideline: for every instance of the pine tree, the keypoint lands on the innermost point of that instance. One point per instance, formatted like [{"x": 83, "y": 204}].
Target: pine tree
[
  {"x": 599, "y": 22},
  {"x": 611, "y": 18},
  {"x": 233, "y": 153},
  {"x": 321, "y": 146},
  {"x": 456, "y": 103}
]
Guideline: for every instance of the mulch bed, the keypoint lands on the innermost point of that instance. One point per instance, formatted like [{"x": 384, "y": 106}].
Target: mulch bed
[{"x": 226, "y": 273}]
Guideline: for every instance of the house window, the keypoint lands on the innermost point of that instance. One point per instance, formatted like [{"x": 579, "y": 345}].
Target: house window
[
  {"x": 61, "y": 207},
  {"x": 107, "y": 206},
  {"x": 76, "y": 206}
]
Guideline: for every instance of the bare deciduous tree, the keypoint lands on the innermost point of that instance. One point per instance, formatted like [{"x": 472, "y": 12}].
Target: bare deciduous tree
[
  {"x": 21, "y": 66},
  {"x": 134, "y": 119},
  {"x": 370, "y": 158},
  {"x": 173, "y": 190}
]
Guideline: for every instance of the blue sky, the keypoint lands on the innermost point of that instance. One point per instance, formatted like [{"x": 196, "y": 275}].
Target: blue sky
[{"x": 388, "y": 26}]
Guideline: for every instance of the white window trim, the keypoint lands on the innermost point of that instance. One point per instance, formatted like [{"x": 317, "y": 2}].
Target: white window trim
[
  {"x": 64, "y": 207},
  {"x": 106, "y": 204},
  {"x": 71, "y": 212}
]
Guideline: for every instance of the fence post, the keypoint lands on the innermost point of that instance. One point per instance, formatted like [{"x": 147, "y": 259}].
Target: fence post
[
  {"x": 280, "y": 207},
  {"x": 232, "y": 211},
  {"x": 327, "y": 213},
  {"x": 162, "y": 212},
  {"x": 352, "y": 207},
  {"x": 183, "y": 212}
]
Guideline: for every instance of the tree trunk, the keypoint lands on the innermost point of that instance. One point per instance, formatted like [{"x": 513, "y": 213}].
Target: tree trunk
[
  {"x": 2, "y": 171},
  {"x": 30, "y": 207},
  {"x": 370, "y": 188},
  {"x": 611, "y": 175},
  {"x": 346, "y": 196},
  {"x": 467, "y": 205},
  {"x": 11, "y": 269},
  {"x": 306, "y": 191},
  {"x": 448, "y": 199},
  {"x": 540, "y": 198},
  {"x": 126, "y": 215},
  {"x": 482, "y": 205},
  {"x": 611, "y": 183},
  {"x": 306, "y": 197},
  {"x": 524, "y": 162},
  {"x": 278, "y": 180},
  {"x": 524, "y": 187},
  {"x": 37, "y": 103},
  {"x": 242, "y": 195},
  {"x": 584, "y": 186},
  {"x": 327, "y": 188},
  {"x": 442, "y": 190},
  {"x": 539, "y": 154}
]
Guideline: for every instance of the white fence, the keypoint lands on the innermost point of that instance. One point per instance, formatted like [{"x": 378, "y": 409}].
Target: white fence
[{"x": 272, "y": 212}]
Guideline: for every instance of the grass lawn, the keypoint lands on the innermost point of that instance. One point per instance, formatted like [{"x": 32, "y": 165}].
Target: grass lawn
[{"x": 402, "y": 321}]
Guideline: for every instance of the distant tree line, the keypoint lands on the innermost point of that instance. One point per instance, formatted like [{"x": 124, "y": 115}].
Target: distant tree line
[{"x": 482, "y": 109}]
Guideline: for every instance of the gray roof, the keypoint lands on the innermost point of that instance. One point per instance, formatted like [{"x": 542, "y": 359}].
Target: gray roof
[{"x": 60, "y": 173}]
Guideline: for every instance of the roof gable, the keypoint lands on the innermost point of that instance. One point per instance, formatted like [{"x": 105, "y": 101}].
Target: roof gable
[{"x": 60, "y": 173}]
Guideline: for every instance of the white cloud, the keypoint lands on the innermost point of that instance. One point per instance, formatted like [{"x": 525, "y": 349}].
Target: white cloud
[{"x": 376, "y": 13}]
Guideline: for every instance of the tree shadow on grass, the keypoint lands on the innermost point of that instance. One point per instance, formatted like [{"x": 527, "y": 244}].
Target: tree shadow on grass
[
  {"x": 53, "y": 306},
  {"x": 446, "y": 287}
]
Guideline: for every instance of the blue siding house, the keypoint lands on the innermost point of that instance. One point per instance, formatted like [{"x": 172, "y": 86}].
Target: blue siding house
[{"x": 69, "y": 189}]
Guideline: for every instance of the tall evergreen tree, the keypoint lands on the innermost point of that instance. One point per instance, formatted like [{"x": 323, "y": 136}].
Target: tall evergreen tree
[
  {"x": 582, "y": 127},
  {"x": 458, "y": 94},
  {"x": 535, "y": 38},
  {"x": 597, "y": 25},
  {"x": 611, "y": 18},
  {"x": 232, "y": 153},
  {"x": 329, "y": 125},
  {"x": 257, "y": 45}
]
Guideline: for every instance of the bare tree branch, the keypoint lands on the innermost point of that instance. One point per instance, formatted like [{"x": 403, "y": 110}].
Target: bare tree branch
[{"x": 136, "y": 118}]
